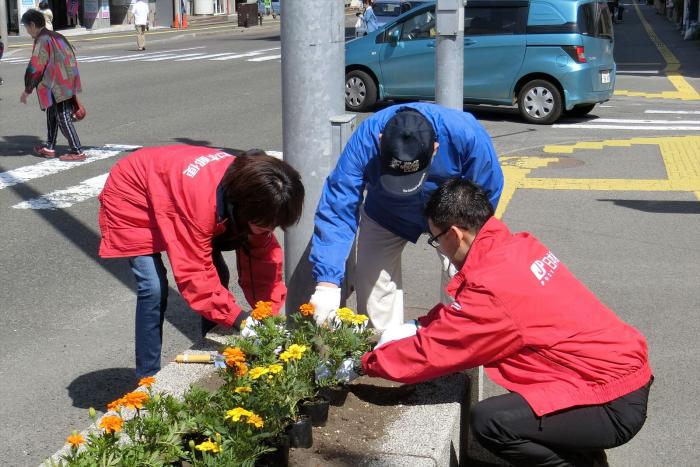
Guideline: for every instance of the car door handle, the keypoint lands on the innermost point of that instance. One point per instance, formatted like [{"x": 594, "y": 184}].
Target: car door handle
[{"x": 469, "y": 41}]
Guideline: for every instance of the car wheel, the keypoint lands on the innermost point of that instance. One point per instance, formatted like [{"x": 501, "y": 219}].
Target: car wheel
[
  {"x": 360, "y": 91},
  {"x": 539, "y": 102},
  {"x": 580, "y": 110}
]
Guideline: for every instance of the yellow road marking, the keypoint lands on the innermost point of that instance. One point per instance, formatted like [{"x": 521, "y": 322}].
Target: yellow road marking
[
  {"x": 684, "y": 91},
  {"x": 679, "y": 154}
]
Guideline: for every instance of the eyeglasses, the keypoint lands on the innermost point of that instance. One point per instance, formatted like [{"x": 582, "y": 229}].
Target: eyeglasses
[{"x": 433, "y": 240}]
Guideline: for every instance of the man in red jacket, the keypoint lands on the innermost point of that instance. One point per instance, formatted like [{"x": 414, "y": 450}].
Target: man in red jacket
[
  {"x": 194, "y": 202},
  {"x": 578, "y": 376}
]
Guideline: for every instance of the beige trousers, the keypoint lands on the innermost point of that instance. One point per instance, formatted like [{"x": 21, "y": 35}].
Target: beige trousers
[
  {"x": 141, "y": 36},
  {"x": 377, "y": 277}
]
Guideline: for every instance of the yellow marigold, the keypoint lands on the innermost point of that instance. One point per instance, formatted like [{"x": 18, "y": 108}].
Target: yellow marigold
[
  {"x": 256, "y": 420},
  {"x": 209, "y": 446},
  {"x": 134, "y": 400},
  {"x": 233, "y": 355},
  {"x": 262, "y": 310},
  {"x": 111, "y": 423},
  {"x": 235, "y": 414},
  {"x": 294, "y": 352},
  {"x": 275, "y": 368},
  {"x": 307, "y": 309},
  {"x": 241, "y": 369},
  {"x": 148, "y": 381},
  {"x": 345, "y": 315},
  {"x": 75, "y": 439},
  {"x": 243, "y": 389},
  {"x": 115, "y": 405},
  {"x": 258, "y": 371},
  {"x": 359, "y": 319}
]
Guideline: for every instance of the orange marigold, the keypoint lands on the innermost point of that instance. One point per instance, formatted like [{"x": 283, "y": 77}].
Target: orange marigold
[
  {"x": 241, "y": 369},
  {"x": 307, "y": 309},
  {"x": 262, "y": 310},
  {"x": 75, "y": 439},
  {"x": 134, "y": 400},
  {"x": 111, "y": 423},
  {"x": 115, "y": 405},
  {"x": 233, "y": 356},
  {"x": 148, "y": 381}
]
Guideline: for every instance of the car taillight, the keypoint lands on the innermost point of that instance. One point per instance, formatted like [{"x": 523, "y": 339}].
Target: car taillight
[{"x": 576, "y": 52}]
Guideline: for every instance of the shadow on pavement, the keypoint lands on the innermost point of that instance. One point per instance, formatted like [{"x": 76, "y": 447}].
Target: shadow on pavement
[
  {"x": 98, "y": 388},
  {"x": 18, "y": 145},
  {"x": 658, "y": 207}
]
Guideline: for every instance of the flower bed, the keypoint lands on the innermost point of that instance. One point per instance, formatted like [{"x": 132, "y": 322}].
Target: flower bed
[{"x": 265, "y": 374}]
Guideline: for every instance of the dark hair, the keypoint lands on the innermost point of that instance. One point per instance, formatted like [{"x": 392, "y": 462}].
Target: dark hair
[
  {"x": 461, "y": 203},
  {"x": 264, "y": 190},
  {"x": 33, "y": 16},
  {"x": 43, "y": 5}
]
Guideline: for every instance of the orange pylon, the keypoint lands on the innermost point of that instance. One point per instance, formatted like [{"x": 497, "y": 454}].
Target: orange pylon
[
  {"x": 176, "y": 22},
  {"x": 184, "y": 21}
]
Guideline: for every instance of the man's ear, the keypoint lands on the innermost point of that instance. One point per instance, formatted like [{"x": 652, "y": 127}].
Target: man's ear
[{"x": 436, "y": 145}]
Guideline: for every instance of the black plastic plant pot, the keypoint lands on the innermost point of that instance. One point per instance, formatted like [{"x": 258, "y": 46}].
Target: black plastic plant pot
[
  {"x": 336, "y": 395},
  {"x": 316, "y": 410},
  {"x": 277, "y": 458},
  {"x": 300, "y": 433}
]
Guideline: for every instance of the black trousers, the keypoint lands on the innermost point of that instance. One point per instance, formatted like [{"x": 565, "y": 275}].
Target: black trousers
[
  {"x": 507, "y": 426},
  {"x": 59, "y": 116}
]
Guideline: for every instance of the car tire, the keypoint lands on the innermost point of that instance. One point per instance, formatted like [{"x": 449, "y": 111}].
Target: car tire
[
  {"x": 580, "y": 110},
  {"x": 360, "y": 91},
  {"x": 539, "y": 102}
]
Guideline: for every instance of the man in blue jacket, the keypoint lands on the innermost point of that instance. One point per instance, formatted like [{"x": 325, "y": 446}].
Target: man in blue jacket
[{"x": 398, "y": 156}]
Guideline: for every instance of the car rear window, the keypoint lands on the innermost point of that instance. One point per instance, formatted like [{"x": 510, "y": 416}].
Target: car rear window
[
  {"x": 594, "y": 20},
  {"x": 390, "y": 9}
]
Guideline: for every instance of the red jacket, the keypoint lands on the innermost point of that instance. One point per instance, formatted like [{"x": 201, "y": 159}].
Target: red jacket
[
  {"x": 164, "y": 199},
  {"x": 535, "y": 328}
]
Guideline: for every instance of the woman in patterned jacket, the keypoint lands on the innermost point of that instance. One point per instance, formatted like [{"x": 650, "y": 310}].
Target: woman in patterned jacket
[{"x": 53, "y": 71}]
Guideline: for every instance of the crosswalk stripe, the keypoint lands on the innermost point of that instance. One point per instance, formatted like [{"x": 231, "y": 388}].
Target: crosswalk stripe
[
  {"x": 53, "y": 166},
  {"x": 139, "y": 56},
  {"x": 169, "y": 57},
  {"x": 625, "y": 120},
  {"x": 248, "y": 54},
  {"x": 682, "y": 112},
  {"x": 62, "y": 199},
  {"x": 637, "y": 72},
  {"x": 92, "y": 57},
  {"x": 628, "y": 127},
  {"x": 264, "y": 59},
  {"x": 203, "y": 57}
]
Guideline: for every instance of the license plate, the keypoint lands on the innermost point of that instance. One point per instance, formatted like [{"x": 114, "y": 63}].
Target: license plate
[{"x": 605, "y": 77}]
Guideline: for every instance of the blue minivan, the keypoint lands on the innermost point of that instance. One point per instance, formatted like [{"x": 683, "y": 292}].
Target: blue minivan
[{"x": 548, "y": 57}]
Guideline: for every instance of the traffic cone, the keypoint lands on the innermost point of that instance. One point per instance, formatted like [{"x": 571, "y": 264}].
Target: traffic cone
[
  {"x": 184, "y": 21},
  {"x": 176, "y": 22}
]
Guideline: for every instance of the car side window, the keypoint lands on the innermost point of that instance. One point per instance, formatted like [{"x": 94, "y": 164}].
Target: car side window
[
  {"x": 421, "y": 26},
  {"x": 490, "y": 21}
]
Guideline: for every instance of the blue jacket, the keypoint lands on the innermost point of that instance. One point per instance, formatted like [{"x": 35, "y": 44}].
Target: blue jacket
[
  {"x": 465, "y": 151},
  {"x": 370, "y": 20}
]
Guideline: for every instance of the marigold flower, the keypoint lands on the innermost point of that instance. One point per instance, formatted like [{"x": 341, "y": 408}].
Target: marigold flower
[
  {"x": 243, "y": 389},
  {"x": 307, "y": 309},
  {"x": 208, "y": 446},
  {"x": 359, "y": 319},
  {"x": 75, "y": 439},
  {"x": 115, "y": 405},
  {"x": 241, "y": 369},
  {"x": 262, "y": 310},
  {"x": 255, "y": 420},
  {"x": 345, "y": 315},
  {"x": 148, "y": 381},
  {"x": 258, "y": 371},
  {"x": 294, "y": 352},
  {"x": 275, "y": 368},
  {"x": 235, "y": 414},
  {"x": 134, "y": 400},
  {"x": 233, "y": 355},
  {"x": 111, "y": 423}
]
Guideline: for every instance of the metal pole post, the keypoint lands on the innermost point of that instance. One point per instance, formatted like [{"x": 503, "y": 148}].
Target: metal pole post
[
  {"x": 449, "y": 56},
  {"x": 3, "y": 22},
  {"x": 313, "y": 70}
]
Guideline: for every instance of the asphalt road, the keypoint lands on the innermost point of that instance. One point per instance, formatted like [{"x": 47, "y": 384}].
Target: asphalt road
[{"x": 622, "y": 213}]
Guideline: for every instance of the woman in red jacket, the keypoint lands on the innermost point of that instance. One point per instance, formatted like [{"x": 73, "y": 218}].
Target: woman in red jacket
[
  {"x": 578, "y": 376},
  {"x": 193, "y": 203}
]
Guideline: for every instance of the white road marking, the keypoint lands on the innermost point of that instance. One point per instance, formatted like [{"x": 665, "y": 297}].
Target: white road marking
[
  {"x": 138, "y": 56},
  {"x": 683, "y": 112},
  {"x": 625, "y": 120},
  {"x": 203, "y": 57},
  {"x": 637, "y": 72},
  {"x": 264, "y": 59},
  {"x": 53, "y": 166},
  {"x": 66, "y": 198},
  {"x": 170, "y": 57},
  {"x": 248, "y": 54},
  {"x": 627, "y": 127}
]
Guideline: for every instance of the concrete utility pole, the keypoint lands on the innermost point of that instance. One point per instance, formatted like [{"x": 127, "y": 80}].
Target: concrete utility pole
[
  {"x": 3, "y": 21},
  {"x": 449, "y": 56},
  {"x": 313, "y": 71}
]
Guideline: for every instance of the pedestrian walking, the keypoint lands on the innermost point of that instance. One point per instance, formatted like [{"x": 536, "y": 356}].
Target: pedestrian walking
[
  {"x": 399, "y": 156},
  {"x": 48, "y": 14},
  {"x": 268, "y": 7},
  {"x": 578, "y": 376},
  {"x": 369, "y": 18},
  {"x": 53, "y": 72},
  {"x": 2, "y": 50},
  {"x": 139, "y": 15},
  {"x": 193, "y": 203}
]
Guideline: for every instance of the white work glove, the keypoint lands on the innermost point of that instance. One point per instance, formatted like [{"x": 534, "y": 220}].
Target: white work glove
[
  {"x": 395, "y": 333},
  {"x": 325, "y": 301},
  {"x": 346, "y": 371}
]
